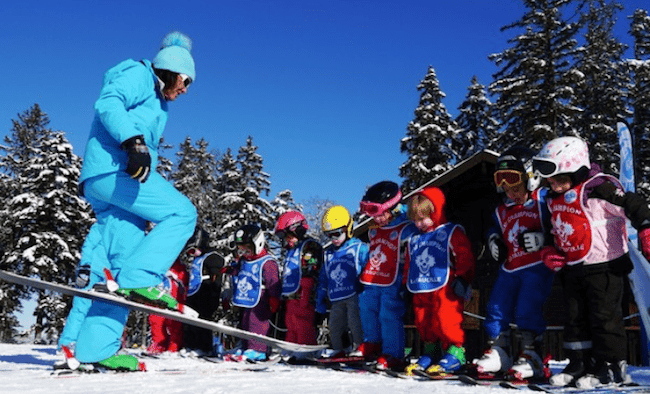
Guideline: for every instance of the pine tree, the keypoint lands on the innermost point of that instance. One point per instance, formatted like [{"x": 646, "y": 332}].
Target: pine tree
[
  {"x": 242, "y": 203},
  {"x": 195, "y": 177},
  {"x": 428, "y": 141},
  {"x": 165, "y": 166},
  {"x": 534, "y": 86},
  {"x": 640, "y": 65},
  {"x": 601, "y": 93},
  {"x": 48, "y": 219},
  {"x": 476, "y": 126}
]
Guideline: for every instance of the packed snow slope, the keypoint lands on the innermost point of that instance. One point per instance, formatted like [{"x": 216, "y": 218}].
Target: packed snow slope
[{"x": 26, "y": 368}]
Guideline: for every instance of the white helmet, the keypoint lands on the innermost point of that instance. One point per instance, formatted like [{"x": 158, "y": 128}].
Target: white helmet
[{"x": 564, "y": 155}]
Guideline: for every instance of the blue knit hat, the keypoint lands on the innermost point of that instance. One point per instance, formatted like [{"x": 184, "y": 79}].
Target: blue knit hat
[{"x": 175, "y": 55}]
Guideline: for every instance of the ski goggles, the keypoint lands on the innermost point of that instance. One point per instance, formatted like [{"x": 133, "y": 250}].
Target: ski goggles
[
  {"x": 374, "y": 209},
  {"x": 508, "y": 177},
  {"x": 335, "y": 233},
  {"x": 186, "y": 80},
  {"x": 282, "y": 234},
  {"x": 545, "y": 168}
]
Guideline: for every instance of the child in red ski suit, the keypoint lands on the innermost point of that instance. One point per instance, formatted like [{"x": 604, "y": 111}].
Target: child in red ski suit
[
  {"x": 167, "y": 334},
  {"x": 303, "y": 256},
  {"x": 439, "y": 268}
]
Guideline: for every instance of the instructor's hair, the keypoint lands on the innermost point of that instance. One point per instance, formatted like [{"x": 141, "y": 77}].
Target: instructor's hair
[{"x": 168, "y": 77}]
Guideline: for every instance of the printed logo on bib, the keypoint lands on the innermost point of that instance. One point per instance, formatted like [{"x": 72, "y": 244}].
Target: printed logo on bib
[
  {"x": 563, "y": 231},
  {"x": 243, "y": 287},
  {"x": 514, "y": 232},
  {"x": 425, "y": 262},
  {"x": 570, "y": 196},
  {"x": 376, "y": 258},
  {"x": 339, "y": 275}
]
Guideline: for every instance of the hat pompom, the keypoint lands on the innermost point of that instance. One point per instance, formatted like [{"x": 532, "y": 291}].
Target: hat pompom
[{"x": 176, "y": 38}]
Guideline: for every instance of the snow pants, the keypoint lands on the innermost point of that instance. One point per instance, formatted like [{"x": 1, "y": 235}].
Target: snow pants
[
  {"x": 439, "y": 316},
  {"x": 382, "y": 312},
  {"x": 344, "y": 316},
  {"x": 256, "y": 320},
  {"x": 518, "y": 297},
  {"x": 121, "y": 206},
  {"x": 593, "y": 298},
  {"x": 300, "y": 315},
  {"x": 166, "y": 334}
]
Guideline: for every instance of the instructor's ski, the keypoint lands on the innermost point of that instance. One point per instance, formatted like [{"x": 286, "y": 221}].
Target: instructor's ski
[{"x": 174, "y": 315}]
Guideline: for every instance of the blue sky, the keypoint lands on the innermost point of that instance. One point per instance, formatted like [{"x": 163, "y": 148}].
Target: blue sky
[{"x": 326, "y": 88}]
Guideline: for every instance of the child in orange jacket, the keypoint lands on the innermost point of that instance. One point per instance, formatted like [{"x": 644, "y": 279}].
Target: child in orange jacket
[{"x": 439, "y": 269}]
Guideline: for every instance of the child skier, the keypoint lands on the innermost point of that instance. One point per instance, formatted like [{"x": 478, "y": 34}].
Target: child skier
[
  {"x": 167, "y": 334},
  {"x": 522, "y": 227},
  {"x": 257, "y": 287},
  {"x": 439, "y": 268},
  {"x": 303, "y": 257},
  {"x": 588, "y": 211},
  {"x": 381, "y": 302},
  {"x": 204, "y": 290},
  {"x": 342, "y": 264}
]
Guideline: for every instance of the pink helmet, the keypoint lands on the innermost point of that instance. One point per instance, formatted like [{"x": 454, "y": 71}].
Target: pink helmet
[
  {"x": 564, "y": 155},
  {"x": 291, "y": 222}
]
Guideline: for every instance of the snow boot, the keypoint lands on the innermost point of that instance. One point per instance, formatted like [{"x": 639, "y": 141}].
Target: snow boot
[{"x": 579, "y": 360}]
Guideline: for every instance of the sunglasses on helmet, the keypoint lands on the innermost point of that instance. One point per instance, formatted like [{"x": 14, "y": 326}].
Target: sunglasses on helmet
[
  {"x": 545, "y": 168},
  {"x": 508, "y": 177},
  {"x": 186, "y": 80}
]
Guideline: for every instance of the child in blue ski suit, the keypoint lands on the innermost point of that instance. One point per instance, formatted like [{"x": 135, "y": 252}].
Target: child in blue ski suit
[
  {"x": 382, "y": 301},
  {"x": 521, "y": 230},
  {"x": 339, "y": 278},
  {"x": 118, "y": 181}
]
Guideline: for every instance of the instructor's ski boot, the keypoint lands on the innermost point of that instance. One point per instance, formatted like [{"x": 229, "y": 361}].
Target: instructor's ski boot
[
  {"x": 156, "y": 296},
  {"x": 122, "y": 363}
]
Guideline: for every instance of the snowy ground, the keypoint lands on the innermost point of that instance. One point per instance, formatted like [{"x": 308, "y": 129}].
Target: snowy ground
[{"x": 26, "y": 368}]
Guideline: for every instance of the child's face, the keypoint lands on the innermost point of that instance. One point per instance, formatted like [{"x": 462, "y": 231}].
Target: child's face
[
  {"x": 517, "y": 193},
  {"x": 423, "y": 222},
  {"x": 560, "y": 183},
  {"x": 383, "y": 219}
]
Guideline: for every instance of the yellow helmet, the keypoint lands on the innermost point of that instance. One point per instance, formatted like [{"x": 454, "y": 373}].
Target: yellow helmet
[{"x": 337, "y": 217}]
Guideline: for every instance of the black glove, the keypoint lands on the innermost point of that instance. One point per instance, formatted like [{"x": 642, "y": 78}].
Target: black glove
[{"x": 139, "y": 164}]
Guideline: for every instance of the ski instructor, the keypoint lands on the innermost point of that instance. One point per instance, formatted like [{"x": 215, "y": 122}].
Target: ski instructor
[{"x": 120, "y": 181}]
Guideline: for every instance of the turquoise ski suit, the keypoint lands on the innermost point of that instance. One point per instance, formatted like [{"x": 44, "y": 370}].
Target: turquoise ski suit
[{"x": 130, "y": 104}]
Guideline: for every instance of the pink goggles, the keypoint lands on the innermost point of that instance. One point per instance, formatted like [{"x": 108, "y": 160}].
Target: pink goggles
[{"x": 373, "y": 209}]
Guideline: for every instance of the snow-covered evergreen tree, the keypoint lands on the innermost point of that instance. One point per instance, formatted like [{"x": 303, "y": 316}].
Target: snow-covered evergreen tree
[
  {"x": 241, "y": 202},
  {"x": 640, "y": 92},
  {"x": 49, "y": 221},
  {"x": 195, "y": 177},
  {"x": 477, "y": 127},
  {"x": 165, "y": 166},
  {"x": 601, "y": 93},
  {"x": 534, "y": 85},
  {"x": 428, "y": 140},
  {"x": 314, "y": 210}
]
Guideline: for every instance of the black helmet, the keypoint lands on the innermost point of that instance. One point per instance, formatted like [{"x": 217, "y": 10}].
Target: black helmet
[
  {"x": 251, "y": 234},
  {"x": 380, "y": 197},
  {"x": 381, "y": 192},
  {"x": 518, "y": 159}
]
